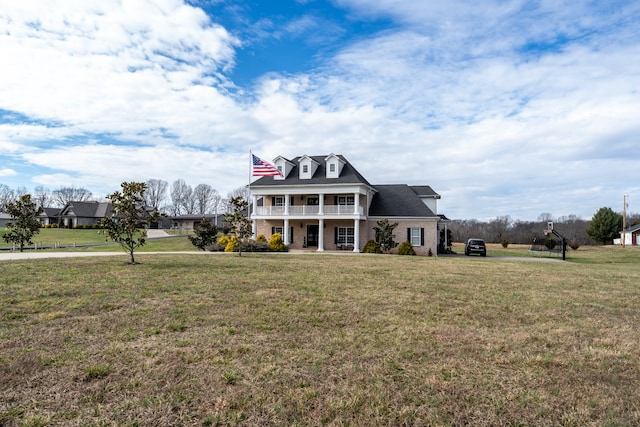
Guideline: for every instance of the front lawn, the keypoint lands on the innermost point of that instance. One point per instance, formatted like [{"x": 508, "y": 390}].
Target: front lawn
[{"x": 285, "y": 339}]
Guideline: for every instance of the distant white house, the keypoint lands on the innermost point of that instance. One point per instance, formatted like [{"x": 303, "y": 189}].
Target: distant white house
[
  {"x": 4, "y": 219},
  {"x": 631, "y": 236}
]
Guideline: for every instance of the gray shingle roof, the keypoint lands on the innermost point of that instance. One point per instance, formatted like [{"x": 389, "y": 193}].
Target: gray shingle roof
[
  {"x": 349, "y": 175},
  {"x": 398, "y": 200},
  {"x": 51, "y": 212},
  {"x": 87, "y": 209},
  {"x": 425, "y": 191}
]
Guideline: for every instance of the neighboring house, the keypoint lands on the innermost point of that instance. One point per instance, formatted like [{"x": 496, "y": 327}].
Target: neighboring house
[
  {"x": 50, "y": 216},
  {"x": 631, "y": 236},
  {"x": 80, "y": 214},
  {"x": 324, "y": 203},
  {"x": 188, "y": 222},
  {"x": 4, "y": 219}
]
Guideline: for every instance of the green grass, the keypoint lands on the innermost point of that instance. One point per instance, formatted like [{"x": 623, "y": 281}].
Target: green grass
[
  {"x": 71, "y": 237},
  {"x": 51, "y": 236},
  {"x": 284, "y": 339}
]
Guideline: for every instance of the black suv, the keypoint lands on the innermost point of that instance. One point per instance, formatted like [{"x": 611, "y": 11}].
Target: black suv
[{"x": 475, "y": 246}]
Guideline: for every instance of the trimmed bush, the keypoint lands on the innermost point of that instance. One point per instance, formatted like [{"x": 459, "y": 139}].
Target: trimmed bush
[
  {"x": 232, "y": 244},
  {"x": 276, "y": 244},
  {"x": 372, "y": 248},
  {"x": 261, "y": 238},
  {"x": 254, "y": 246},
  {"x": 505, "y": 243},
  {"x": 223, "y": 240},
  {"x": 550, "y": 243},
  {"x": 573, "y": 244},
  {"x": 406, "y": 248}
]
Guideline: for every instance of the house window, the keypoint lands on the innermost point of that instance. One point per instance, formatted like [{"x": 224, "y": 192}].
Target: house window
[
  {"x": 305, "y": 168},
  {"x": 332, "y": 167},
  {"x": 415, "y": 236},
  {"x": 280, "y": 169},
  {"x": 313, "y": 201},
  {"x": 346, "y": 200},
  {"x": 344, "y": 235},
  {"x": 278, "y": 201}
]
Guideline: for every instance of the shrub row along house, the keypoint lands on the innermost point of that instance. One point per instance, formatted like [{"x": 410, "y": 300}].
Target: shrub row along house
[{"x": 324, "y": 203}]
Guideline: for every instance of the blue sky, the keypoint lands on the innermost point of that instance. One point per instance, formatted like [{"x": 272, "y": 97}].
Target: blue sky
[{"x": 505, "y": 107}]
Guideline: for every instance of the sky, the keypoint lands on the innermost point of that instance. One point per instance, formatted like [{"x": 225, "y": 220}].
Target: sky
[{"x": 504, "y": 107}]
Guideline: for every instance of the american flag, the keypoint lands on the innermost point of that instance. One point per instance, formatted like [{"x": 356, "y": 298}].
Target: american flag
[{"x": 262, "y": 168}]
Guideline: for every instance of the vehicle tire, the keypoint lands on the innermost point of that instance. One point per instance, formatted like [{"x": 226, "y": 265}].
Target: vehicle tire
[{"x": 483, "y": 254}]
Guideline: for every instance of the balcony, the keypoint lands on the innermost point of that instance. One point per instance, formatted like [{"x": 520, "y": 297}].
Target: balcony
[{"x": 309, "y": 210}]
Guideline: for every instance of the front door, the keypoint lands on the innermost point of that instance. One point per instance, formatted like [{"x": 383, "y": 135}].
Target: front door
[{"x": 312, "y": 235}]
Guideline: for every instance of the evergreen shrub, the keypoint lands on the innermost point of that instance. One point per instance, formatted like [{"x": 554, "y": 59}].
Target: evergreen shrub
[
  {"x": 372, "y": 248},
  {"x": 406, "y": 248},
  {"x": 276, "y": 244}
]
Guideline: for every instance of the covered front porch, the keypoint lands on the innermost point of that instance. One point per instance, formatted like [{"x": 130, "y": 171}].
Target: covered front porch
[{"x": 313, "y": 234}]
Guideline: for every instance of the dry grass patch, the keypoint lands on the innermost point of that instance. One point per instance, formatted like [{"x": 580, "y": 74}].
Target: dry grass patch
[{"x": 275, "y": 339}]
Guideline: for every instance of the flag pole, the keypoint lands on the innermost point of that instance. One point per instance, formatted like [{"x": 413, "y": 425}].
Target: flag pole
[{"x": 249, "y": 208}]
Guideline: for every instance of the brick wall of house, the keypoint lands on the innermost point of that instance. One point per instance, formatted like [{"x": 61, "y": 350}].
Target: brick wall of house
[{"x": 400, "y": 234}]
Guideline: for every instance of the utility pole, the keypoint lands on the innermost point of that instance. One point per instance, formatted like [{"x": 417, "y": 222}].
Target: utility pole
[{"x": 624, "y": 220}]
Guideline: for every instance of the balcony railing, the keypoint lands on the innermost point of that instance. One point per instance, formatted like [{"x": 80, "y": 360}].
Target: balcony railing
[{"x": 309, "y": 210}]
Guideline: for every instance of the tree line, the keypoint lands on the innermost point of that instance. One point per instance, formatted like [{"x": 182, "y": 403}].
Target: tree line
[
  {"x": 602, "y": 228},
  {"x": 179, "y": 198}
]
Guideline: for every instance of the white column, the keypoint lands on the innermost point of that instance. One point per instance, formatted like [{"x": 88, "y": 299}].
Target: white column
[
  {"x": 254, "y": 229},
  {"x": 356, "y": 235},
  {"x": 285, "y": 232},
  {"x": 321, "y": 235},
  {"x": 356, "y": 203},
  {"x": 321, "y": 204},
  {"x": 286, "y": 204}
]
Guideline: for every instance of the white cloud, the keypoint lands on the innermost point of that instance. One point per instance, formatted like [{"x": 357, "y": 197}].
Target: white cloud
[
  {"x": 113, "y": 66},
  {"x": 7, "y": 172}
]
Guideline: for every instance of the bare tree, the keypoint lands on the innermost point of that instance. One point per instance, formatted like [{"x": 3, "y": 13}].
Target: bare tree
[
  {"x": 243, "y": 192},
  {"x": 20, "y": 191},
  {"x": 239, "y": 192},
  {"x": 42, "y": 196},
  {"x": 156, "y": 193},
  {"x": 206, "y": 198},
  {"x": 64, "y": 195},
  {"x": 181, "y": 198},
  {"x": 7, "y": 195},
  {"x": 545, "y": 217},
  {"x": 498, "y": 228}
]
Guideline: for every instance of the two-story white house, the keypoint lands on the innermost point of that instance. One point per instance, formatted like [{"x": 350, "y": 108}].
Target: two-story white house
[{"x": 324, "y": 203}]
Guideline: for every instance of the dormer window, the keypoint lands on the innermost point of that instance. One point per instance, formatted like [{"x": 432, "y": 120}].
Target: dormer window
[
  {"x": 333, "y": 166},
  {"x": 308, "y": 167},
  {"x": 284, "y": 166}
]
